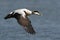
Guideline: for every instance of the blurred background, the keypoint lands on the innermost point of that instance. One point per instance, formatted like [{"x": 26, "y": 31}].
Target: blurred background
[{"x": 47, "y": 27}]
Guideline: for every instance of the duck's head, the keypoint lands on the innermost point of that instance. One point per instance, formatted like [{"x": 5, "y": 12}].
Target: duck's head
[
  {"x": 33, "y": 12},
  {"x": 12, "y": 15},
  {"x": 36, "y": 12}
]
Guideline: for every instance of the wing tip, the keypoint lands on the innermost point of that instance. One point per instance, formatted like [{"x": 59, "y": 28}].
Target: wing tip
[{"x": 32, "y": 32}]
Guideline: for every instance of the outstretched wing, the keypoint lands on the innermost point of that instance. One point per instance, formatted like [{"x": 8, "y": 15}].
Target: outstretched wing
[{"x": 26, "y": 23}]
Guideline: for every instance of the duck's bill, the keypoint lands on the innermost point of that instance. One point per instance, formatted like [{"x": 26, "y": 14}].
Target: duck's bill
[{"x": 40, "y": 14}]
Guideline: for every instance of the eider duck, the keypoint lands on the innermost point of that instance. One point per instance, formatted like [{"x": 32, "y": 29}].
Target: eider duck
[{"x": 21, "y": 15}]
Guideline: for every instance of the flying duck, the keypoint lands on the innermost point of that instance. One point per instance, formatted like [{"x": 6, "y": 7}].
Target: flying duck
[{"x": 21, "y": 15}]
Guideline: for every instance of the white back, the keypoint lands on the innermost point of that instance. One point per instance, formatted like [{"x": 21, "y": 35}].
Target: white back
[{"x": 21, "y": 11}]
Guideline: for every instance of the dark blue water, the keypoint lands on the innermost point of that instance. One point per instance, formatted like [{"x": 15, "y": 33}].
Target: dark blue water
[{"x": 46, "y": 26}]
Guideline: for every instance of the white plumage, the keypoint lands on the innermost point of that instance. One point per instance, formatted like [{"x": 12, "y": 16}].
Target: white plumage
[{"x": 21, "y": 11}]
